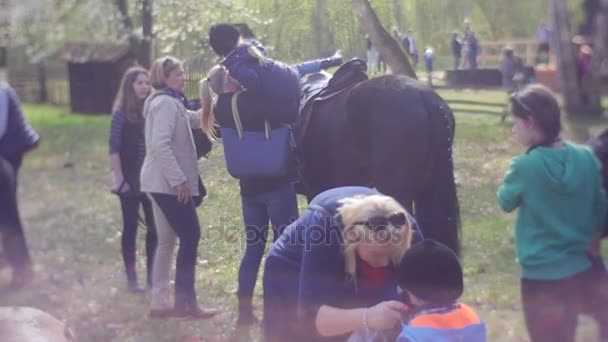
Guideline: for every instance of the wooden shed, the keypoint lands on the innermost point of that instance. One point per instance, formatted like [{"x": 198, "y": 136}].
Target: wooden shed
[{"x": 94, "y": 72}]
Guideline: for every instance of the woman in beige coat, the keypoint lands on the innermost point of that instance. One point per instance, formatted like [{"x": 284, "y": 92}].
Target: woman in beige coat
[{"x": 170, "y": 176}]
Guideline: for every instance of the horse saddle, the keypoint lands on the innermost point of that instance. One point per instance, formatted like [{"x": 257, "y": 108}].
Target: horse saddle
[{"x": 319, "y": 86}]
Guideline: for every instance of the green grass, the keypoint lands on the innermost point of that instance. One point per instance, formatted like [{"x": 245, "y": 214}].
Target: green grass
[{"x": 73, "y": 226}]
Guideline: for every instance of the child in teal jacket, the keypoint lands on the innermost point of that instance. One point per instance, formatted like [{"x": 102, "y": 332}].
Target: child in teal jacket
[{"x": 558, "y": 189}]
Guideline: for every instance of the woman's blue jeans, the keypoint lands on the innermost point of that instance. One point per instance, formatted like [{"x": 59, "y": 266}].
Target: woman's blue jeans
[{"x": 280, "y": 208}]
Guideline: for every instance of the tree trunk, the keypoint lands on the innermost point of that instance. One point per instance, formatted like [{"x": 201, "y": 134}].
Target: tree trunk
[
  {"x": 590, "y": 8},
  {"x": 5, "y": 17},
  {"x": 389, "y": 48},
  {"x": 600, "y": 47},
  {"x": 3, "y": 56},
  {"x": 566, "y": 60},
  {"x": 593, "y": 105},
  {"x": 141, "y": 47},
  {"x": 398, "y": 14},
  {"x": 145, "y": 46},
  {"x": 127, "y": 23},
  {"x": 43, "y": 95},
  {"x": 323, "y": 40}
]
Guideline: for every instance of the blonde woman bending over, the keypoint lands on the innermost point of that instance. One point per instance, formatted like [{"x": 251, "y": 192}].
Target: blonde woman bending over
[{"x": 333, "y": 271}]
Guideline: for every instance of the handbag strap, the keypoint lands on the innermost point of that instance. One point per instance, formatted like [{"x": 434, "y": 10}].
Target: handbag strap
[{"x": 237, "y": 119}]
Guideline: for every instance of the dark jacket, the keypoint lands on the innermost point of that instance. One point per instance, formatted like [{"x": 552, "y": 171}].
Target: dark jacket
[
  {"x": 127, "y": 139},
  {"x": 252, "y": 114},
  {"x": 279, "y": 83},
  {"x": 19, "y": 136},
  {"x": 309, "y": 254},
  {"x": 456, "y": 47}
]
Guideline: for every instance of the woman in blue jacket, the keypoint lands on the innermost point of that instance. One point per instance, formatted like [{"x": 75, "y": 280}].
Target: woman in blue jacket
[
  {"x": 332, "y": 271},
  {"x": 264, "y": 200}
]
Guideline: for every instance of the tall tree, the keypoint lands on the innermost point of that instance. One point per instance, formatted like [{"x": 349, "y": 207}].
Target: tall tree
[
  {"x": 574, "y": 99},
  {"x": 5, "y": 13},
  {"x": 324, "y": 38},
  {"x": 140, "y": 44},
  {"x": 600, "y": 43},
  {"x": 388, "y": 47}
]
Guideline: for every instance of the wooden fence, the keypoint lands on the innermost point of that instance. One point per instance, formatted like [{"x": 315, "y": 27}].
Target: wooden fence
[
  {"x": 476, "y": 107},
  {"x": 491, "y": 51}
]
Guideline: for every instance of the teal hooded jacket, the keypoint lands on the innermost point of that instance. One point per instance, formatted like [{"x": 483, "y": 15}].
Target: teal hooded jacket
[{"x": 562, "y": 208}]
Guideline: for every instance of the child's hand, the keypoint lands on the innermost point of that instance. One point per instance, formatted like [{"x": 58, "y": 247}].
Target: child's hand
[{"x": 385, "y": 315}]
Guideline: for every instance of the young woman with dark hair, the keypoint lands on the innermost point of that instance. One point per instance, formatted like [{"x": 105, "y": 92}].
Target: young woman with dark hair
[
  {"x": 127, "y": 151},
  {"x": 557, "y": 187}
]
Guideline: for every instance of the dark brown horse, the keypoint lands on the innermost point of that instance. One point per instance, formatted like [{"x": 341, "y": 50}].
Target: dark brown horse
[{"x": 392, "y": 133}]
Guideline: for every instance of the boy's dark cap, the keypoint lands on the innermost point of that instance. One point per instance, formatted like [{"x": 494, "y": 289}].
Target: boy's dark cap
[
  {"x": 431, "y": 271},
  {"x": 223, "y": 38}
]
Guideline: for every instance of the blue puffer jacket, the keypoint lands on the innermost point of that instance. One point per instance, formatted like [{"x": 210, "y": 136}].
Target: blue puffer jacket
[{"x": 276, "y": 81}]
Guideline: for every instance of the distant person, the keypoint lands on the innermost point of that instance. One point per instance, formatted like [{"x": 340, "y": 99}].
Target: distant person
[
  {"x": 468, "y": 23},
  {"x": 465, "y": 42},
  {"x": 557, "y": 187},
  {"x": 17, "y": 138},
  {"x": 472, "y": 50},
  {"x": 396, "y": 34},
  {"x": 428, "y": 64},
  {"x": 410, "y": 46},
  {"x": 583, "y": 62},
  {"x": 381, "y": 64},
  {"x": 127, "y": 152},
  {"x": 543, "y": 39},
  {"x": 456, "y": 50},
  {"x": 511, "y": 71},
  {"x": 508, "y": 69},
  {"x": 372, "y": 56}
]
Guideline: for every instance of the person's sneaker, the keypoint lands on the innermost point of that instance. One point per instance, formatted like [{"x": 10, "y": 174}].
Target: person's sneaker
[{"x": 196, "y": 312}]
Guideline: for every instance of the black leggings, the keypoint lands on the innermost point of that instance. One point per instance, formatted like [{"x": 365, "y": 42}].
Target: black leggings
[
  {"x": 13, "y": 239},
  {"x": 130, "y": 216}
]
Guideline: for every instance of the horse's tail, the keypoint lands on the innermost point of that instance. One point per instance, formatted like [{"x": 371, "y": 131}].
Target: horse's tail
[{"x": 437, "y": 205}]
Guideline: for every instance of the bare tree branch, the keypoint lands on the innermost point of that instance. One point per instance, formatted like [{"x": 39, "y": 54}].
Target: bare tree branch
[{"x": 388, "y": 47}]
